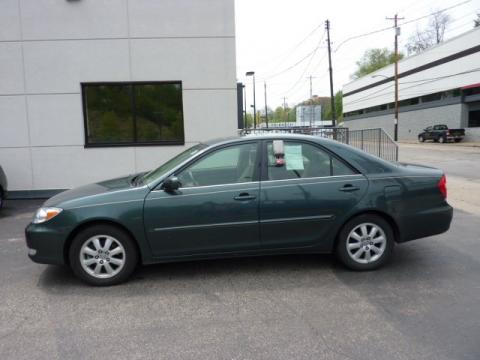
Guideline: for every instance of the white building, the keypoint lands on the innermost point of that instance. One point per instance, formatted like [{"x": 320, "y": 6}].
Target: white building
[
  {"x": 309, "y": 114},
  {"x": 438, "y": 86},
  {"x": 91, "y": 90}
]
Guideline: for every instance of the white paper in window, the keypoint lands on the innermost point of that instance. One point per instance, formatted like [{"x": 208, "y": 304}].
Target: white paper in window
[{"x": 294, "y": 157}]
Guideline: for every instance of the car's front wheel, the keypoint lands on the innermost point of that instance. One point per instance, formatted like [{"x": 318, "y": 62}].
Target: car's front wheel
[
  {"x": 421, "y": 138},
  {"x": 365, "y": 242},
  {"x": 103, "y": 255},
  {"x": 442, "y": 139}
]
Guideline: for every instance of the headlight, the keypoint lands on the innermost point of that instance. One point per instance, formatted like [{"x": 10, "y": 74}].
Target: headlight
[{"x": 45, "y": 213}]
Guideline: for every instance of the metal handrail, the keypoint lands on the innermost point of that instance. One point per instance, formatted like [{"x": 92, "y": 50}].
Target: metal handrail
[{"x": 375, "y": 141}]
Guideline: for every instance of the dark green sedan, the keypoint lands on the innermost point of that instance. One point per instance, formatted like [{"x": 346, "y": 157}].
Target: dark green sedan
[{"x": 271, "y": 194}]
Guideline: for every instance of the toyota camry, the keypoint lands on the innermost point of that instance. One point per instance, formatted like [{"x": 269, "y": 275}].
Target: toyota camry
[{"x": 247, "y": 196}]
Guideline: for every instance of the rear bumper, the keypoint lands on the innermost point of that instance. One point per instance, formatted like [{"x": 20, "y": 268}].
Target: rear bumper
[
  {"x": 45, "y": 246},
  {"x": 426, "y": 223},
  {"x": 453, "y": 137}
]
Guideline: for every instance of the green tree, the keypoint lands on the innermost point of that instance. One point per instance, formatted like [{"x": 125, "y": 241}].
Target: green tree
[
  {"x": 374, "y": 59},
  {"x": 338, "y": 108}
]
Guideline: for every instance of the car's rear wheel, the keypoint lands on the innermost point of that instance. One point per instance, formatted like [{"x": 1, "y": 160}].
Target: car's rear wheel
[
  {"x": 421, "y": 138},
  {"x": 365, "y": 242},
  {"x": 103, "y": 255},
  {"x": 441, "y": 139}
]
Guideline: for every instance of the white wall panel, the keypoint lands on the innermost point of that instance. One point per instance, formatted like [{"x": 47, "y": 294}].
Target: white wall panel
[
  {"x": 13, "y": 122},
  {"x": 66, "y": 167},
  {"x": 179, "y": 18},
  {"x": 9, "y": 20},
  {"x": 209, "y": 114},
  {"x": 200, "y": 63},
  {"x": 60, "y": 66},
  {"x": 11, "y": 72},
  {"x": 62, "y": 19},
  {"x": 17, "y": 167},
  {"x": 56, "y": 120}
]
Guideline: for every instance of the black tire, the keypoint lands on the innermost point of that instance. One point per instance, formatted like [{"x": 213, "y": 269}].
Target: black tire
[
  {"x": 442, "y": 140},
  {"x": 421, "y": 139},
  {"x": 2, "y": 197},
  {"x": 458, "y": 140},
  {"x": 129, "y": 259},
  {"x": 343, "y": 237}
]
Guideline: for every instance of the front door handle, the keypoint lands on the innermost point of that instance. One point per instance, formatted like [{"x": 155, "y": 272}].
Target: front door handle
[
  {"x": 244, "y": 197},
  {"x": 348, "y": 188}
]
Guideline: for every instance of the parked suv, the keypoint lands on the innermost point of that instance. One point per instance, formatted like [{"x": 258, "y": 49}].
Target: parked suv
[
  {"x": 3, "y": 187},
  {"x": 441, "y": 134}
]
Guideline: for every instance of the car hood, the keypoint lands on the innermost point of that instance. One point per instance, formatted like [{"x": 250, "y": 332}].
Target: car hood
[{"x": 92, "y": 193}]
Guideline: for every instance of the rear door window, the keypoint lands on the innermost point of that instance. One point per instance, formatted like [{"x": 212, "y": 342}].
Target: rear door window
[{"x": 303, "y": 160}]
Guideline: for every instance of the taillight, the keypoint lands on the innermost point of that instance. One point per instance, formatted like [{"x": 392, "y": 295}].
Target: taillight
[{"x": 442, "y": 186}]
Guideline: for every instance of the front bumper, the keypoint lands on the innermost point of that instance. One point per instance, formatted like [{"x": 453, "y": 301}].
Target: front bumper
[{"x": 45, "y": 245}]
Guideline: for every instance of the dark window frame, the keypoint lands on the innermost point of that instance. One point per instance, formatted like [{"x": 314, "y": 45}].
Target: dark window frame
[{"x": 134, "y": 143}]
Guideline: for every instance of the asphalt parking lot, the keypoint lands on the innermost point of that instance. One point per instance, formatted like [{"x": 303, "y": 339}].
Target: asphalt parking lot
[{"x": 423, "y": 305}]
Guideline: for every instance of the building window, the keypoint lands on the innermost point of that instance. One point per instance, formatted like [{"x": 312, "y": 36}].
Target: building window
[
  {"x": 474, "y": 118},
  {"x": 126, "y": 114}
]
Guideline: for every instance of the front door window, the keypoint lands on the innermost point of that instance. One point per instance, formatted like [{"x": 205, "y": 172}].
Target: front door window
[{"x": 229, "y": 165}]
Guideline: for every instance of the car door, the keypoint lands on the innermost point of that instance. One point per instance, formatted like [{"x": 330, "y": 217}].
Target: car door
[
  {"x": 301, "y": 199},
  {"x": 428, "y": 133},
  {"x": 214, "y": 211}
]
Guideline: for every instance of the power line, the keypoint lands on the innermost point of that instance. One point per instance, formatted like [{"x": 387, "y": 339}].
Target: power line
[
  {"x": 403, "y": 23},
  {"x": 311, "y": 53},
  {"x": 292, "y": 49}
]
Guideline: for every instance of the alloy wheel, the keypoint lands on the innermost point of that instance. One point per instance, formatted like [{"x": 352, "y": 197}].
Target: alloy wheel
[
  {"x": 102, "y": 256},
  {"x": 366, "y": 243}
]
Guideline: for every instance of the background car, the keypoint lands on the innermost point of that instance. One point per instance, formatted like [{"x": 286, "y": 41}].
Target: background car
[
  {"x": 270, "y": 194},
  {"x": 441, "y": 134},
  {"x": 3, "y": 187}
]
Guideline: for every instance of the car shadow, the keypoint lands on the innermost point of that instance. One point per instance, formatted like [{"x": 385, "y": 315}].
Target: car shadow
[{"x": 252, "y": 272}]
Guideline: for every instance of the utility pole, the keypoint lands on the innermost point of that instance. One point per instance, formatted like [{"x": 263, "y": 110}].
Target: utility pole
[
  {"x": 254, "y": 105},
  {"x": 332, "y": 96},
  {"x": 397, "y": 33},
  {"x": 244, "y": 107},
  {"x": 285, "y": 110},
  {"x": 266, "y": 110},
  {"x": 311, "y": 101},
  {"x": 311, "y": 91}
]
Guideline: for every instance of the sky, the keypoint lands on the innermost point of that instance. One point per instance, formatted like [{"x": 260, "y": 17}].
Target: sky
[{"x": 272, "y": 37}]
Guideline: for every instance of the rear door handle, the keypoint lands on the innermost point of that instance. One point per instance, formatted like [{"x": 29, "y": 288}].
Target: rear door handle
[
  {"x": 348, "y": 188},
  {"x": 244, "y": 197}
]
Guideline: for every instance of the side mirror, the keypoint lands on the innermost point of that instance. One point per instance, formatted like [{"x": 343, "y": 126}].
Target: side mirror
[{"x": 171, "y": 184}]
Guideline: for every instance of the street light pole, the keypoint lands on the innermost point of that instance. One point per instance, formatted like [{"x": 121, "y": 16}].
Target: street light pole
[
  {"x": 244, "y": 107},
  {"x": 252, "y": 73}
]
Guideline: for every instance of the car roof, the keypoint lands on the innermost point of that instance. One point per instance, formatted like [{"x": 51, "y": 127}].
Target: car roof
[{"x": 267, "y": 136}]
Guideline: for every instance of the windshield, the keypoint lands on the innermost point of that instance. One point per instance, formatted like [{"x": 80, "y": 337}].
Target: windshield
[{"x": 172, "y": 163}]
